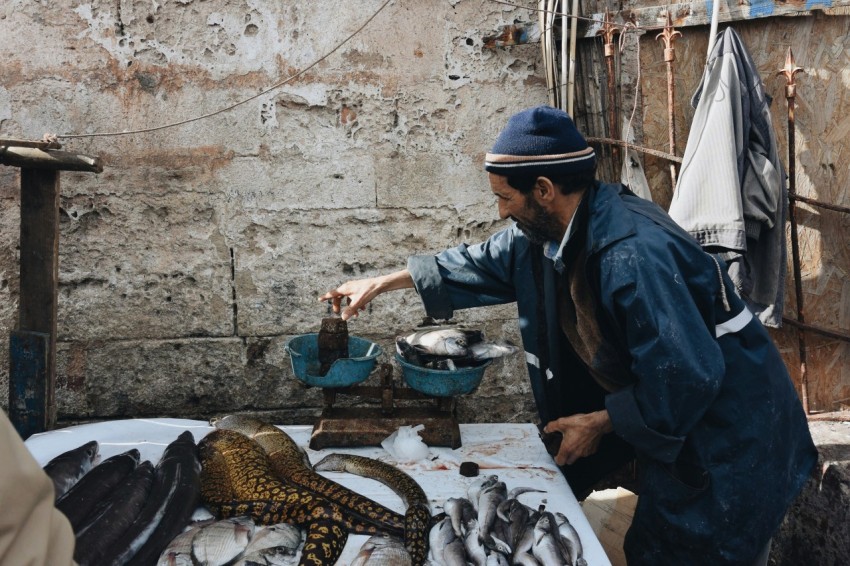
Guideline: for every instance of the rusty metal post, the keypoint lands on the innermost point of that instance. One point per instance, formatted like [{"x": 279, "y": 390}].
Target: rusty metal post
[
  {"x": 607, "y": 32},
  {"x": 789, "y": 72},
  {"x": 669, "y": 35}
]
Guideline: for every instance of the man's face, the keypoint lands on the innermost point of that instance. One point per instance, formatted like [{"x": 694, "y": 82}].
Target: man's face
[{"x": 538, "y": 225}]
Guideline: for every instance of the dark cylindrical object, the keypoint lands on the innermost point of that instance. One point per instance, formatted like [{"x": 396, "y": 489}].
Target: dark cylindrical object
[{"x": 333, "y": 342}]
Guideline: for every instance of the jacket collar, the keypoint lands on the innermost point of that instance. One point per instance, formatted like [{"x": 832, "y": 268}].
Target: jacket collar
[{"x": 608, "y": 219}]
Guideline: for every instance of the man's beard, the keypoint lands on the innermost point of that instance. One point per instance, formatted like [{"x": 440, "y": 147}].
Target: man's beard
[{"x": 541, "y": 227}]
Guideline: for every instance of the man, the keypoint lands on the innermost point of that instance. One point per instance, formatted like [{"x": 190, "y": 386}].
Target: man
[{"x": 634, "y": 339}]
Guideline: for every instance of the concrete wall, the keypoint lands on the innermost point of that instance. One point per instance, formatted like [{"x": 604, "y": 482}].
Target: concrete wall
[{"x": 187, "y": 264}]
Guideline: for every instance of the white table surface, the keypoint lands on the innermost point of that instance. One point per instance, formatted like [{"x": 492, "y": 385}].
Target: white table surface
[{"x": 513, "y": 452}]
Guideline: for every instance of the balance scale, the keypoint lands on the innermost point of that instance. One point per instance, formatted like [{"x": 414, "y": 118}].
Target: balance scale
[{"x": 369, "y": 426}]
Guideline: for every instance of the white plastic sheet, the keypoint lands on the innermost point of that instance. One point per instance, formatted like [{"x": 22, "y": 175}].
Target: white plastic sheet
[{"x": 514, "y": 452}]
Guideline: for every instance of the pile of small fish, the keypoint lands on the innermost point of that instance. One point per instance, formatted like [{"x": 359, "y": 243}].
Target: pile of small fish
[
  {"x": 123, "y": 511},
  {"x": 492, "y": 527},
  {"x": 449, "y": 348},
  {"x": 236, "y": 541}
]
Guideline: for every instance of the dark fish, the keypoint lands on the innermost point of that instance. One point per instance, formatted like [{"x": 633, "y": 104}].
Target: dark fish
[
  {"x": 173, "y": 498},
  {"x": 95, "y": 486},
  {"x": 112, "y": 516},
  {"x": 67, "y": 468},
  {"x": 417, "y": 518}
]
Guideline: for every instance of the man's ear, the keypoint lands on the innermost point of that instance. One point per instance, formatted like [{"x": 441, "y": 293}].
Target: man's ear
[{"x": 544, "y": 190}]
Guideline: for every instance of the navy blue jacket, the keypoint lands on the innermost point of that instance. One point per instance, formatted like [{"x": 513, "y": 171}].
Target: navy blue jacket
[{"x": 710, "y": 409}]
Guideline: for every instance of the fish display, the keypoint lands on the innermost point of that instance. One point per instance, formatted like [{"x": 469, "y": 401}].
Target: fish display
[
  {"x": 449, "y": 348},
  {"x": 237, "y": 478},
  {"x": 417, "y": 517},
  {"x": 291, "y": 464},
  {"x": 112, "y": 516},
  {"x": 173, "y": 498},
  {"x": 492, "y": 527},
  {"x": 67, "y": 468},
  {"x": 95, "y": 485}
]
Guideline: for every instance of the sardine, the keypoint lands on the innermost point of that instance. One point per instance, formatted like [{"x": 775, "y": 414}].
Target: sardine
[
  {"x": 174, "y": 496},
  {"x": 112, "y": 516},
  {"x": 382, "y": 550},
  {"x": 570, "y": 536},
  {"x": 67, "y": 468},
  {"x": 93, "y": 487},
  {"x": 221, "y": 542}
]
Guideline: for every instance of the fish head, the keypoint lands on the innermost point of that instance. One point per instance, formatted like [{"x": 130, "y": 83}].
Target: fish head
[{"x": 456, "y": 345}]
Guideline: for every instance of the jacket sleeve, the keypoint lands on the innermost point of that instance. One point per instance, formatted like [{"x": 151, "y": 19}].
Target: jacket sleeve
[
  {"x": 32, "y": 530},
  {"x": 466, "y": 276},
  {"x": 675, "y": 358}
]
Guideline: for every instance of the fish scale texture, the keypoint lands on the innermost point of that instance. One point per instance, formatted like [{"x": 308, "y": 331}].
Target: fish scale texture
[
  {"x": 237, "y": 479},
  {"x": 288, "y": 462}
]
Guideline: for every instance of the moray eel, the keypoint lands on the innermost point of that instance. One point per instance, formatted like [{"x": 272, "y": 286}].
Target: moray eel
[
  {"x": 417, "y": 518},
  {"x": 237, "y": 478},
  {"x": 291, "y": 465}
]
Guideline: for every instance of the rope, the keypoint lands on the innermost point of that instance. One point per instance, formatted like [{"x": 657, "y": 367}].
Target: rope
[{"x": 241, "y": 102}]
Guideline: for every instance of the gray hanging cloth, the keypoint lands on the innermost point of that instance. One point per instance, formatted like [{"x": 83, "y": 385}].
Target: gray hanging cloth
[{"x": 731, "y": 194}]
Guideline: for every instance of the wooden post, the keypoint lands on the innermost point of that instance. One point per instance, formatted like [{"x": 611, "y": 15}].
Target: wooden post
[
  {"x": 39, "y": 292},
  {"x": 32, "y": 348}
]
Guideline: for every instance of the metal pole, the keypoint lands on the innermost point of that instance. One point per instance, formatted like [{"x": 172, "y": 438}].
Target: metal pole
[
  {"x": 669, "y": 35},
  {"x": 607, "y": 32},
  {"x": 789, "y": 72}
]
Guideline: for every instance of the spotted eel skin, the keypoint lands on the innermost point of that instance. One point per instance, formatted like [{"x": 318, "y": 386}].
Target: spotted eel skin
[
  {"x": 237, "y": 479},
  {"x": 292, "y": 466},
  {"x": 417, "y": 518}
]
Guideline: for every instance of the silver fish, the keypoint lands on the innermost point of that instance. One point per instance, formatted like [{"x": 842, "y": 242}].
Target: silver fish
[
  {"x": 517, "y": 519},
  {"x": 475, "y": 551},
  {"x": 547, "y": 546},
  {"x": 474, "y": 489},
  {"x": 67, "y": 468},
  {"x": 454, "y": 554},
  {"x": 488, "y": 502},
  {"x": 281, "y": 536},
  {"x": 517, "y": 491},
  {"x": 523, "y": 548},
  {"x": 460, "y": 511},
  {"x": 382, "y": 550},
  {"x": 490, "y": 350},
  {"x": 443, "y": 341},
  {"x": 179, "y": 550},
  {"x": 440, "y": 536},
  {"x": 497, "y": 559},
  {"x": 570, "y": 536},
  {"x": 221, "y": 542}
]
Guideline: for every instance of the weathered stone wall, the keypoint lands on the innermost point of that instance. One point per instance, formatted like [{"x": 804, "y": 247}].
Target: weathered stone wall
[{"x": 187, "y": 264}]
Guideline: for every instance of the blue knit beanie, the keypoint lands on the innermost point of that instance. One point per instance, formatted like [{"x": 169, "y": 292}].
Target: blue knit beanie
[{"x": 540, "y": 141}]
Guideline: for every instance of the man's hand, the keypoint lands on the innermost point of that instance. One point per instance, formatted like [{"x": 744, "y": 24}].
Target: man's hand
[
  {"x": 581, "y": 434},
  {"x": 359, "y": 293}
]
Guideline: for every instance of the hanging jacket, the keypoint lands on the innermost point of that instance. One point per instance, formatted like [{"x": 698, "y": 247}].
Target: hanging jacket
[
  {"x": 710, "y": 408},
  {"x": 731, "y": 193}
]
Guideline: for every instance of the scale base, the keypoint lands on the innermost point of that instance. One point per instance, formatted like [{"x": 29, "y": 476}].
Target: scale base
[{"x": 369, "y": 427}]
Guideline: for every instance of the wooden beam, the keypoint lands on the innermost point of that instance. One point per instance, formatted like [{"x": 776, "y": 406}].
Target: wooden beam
[
  {"x": 39, "y": 276},
  {"x": 699, "y": 13},
  {"x": 34, "y": 158}
]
